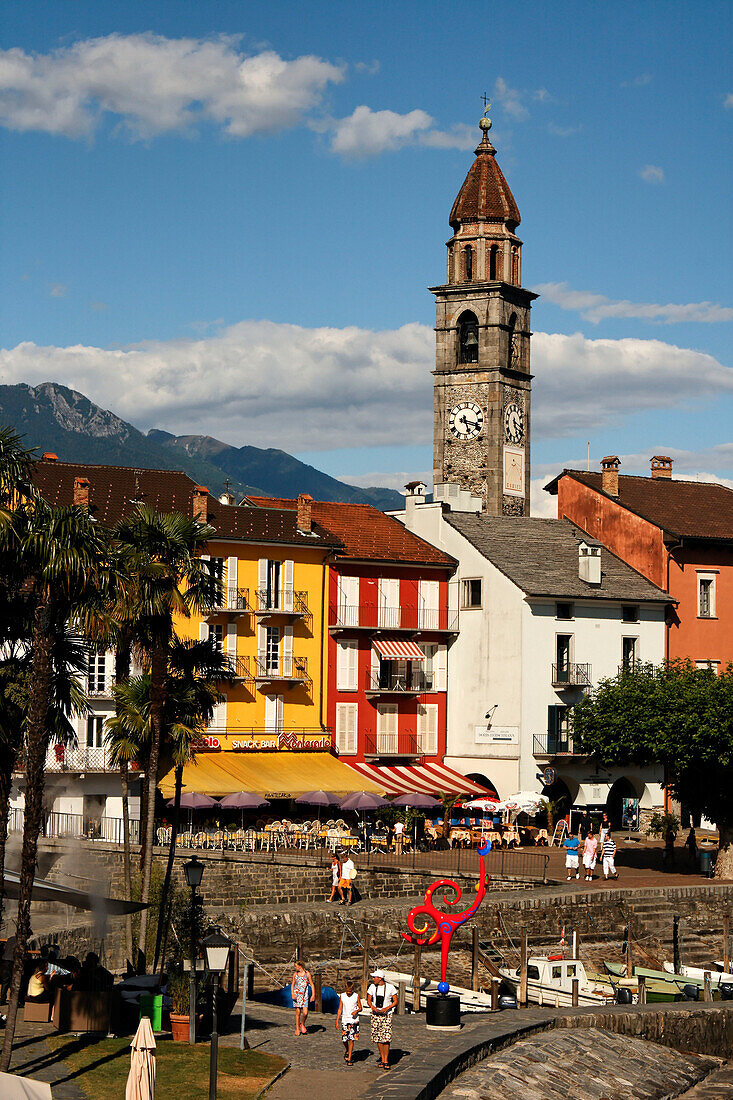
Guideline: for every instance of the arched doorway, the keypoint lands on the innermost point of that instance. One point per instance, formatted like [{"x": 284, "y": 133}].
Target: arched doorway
[{"x": 621, "y": 789}]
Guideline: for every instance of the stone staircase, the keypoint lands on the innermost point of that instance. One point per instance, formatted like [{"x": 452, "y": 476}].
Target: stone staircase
[{"x": 652, "y": 922}]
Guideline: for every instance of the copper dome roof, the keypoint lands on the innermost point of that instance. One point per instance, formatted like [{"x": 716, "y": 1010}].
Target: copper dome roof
[{"x": 485, "y": 194}]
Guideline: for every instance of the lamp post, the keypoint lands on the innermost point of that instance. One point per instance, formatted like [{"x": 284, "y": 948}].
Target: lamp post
[
  {"x": 193, "y": 870},
  {"x": 216, "y": 947}
]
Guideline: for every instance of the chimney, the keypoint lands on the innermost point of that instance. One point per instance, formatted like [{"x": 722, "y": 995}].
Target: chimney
[
  {"x": 609, "y": 476},
  {"x": 81, "y": 492},
  {"x": 305, "y": 513},
  {"x": 201, "y": 503},
  {"x": 49, "y": 456},
  {"x": 589, "y": 562},
  {"x": 414, "y": 495},
  {"x": 661, "y": 466}
]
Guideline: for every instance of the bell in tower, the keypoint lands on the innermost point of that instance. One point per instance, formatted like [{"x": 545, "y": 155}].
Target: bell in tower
[{"x": 482, "y": 374}]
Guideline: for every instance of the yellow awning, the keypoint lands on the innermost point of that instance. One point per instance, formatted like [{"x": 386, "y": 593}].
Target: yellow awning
[{"x": 270, "y": 774}]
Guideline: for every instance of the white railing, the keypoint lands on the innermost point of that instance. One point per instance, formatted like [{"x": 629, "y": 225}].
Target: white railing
[{"x": 67, "y": 758}]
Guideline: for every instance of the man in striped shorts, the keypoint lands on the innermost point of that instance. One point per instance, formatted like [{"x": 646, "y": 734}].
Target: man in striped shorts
[{"x": 608, "y": 851}]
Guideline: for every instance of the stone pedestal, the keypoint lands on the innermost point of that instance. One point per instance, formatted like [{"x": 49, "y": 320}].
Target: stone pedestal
[{"x": 443, "y": 1012}]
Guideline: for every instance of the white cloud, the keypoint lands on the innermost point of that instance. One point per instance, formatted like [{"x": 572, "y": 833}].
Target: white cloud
[
  {"x": 313, "y": 389},
  {"x": 155, "y": 84},
  {"x": 597, "y": 307},
  {"x": 541, "y": 504},
  {"x": 366, "y": 133},
  {"x": 728, "y": 102},
  {"x": 57, "y": 290},
  {"x": 638, "y": 81},
  {"x": 652, "y": 173},
  {"x": 511, "y": 100},
  {"x": 563, "y": 131}
]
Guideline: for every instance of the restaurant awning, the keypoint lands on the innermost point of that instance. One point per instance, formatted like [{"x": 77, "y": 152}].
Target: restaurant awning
[
  {"x": 398, "y": 649},
  {"x": 271, "y": 774},
  {"x": 424, "y": 778},
  {"x": 69, "y": 895}
]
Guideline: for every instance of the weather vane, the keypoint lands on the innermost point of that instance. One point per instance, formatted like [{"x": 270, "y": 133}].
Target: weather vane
[{"x": 485, "y": 122}]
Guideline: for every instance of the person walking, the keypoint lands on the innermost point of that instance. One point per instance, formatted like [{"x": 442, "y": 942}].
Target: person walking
[
  {"x": 571, "y": 845},
  {"x": 347, "y": 1018},
  {"x": 399, "y": 835},
  {"x": 604, "y": 829},
  {"x": 346, "y": 882},
  {"x": 336, "y": 879},
  {"x": 590, "y": 854},
  {"x": 690, "y": 844},
  {"x": 301, "y": 989},
  {"x": 608, "y": 851},
  {"x": 382, "y": 1000}
]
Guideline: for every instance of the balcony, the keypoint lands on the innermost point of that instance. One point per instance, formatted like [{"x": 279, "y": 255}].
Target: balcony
[
  {"x": 82, "y": 758},
  {"x": 570, "y": 675},
  {"x": 411, "y": 619},
  {"x": 234, "y": 601},
  {"x": 548, "y": 745},
  {"x": 288, "y": 670},
  {"x": 387, "y": 680},
  {"x": 239, "y": 668},
  {"x": 286, "y": 601},
  {"x": 100, "y": 687},
  {"x": 392, "y": 744}
]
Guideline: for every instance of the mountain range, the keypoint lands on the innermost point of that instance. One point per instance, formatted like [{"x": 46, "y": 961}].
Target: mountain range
[{"x": 55, "y": 418}]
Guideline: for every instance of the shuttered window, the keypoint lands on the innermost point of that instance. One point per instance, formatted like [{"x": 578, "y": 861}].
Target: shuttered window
[
  {"x": 387, "y": 728},
  {"x": 347, "y": 665},
  {"x": 346, "y": 726},
  {"x": 427, "y": 729}
]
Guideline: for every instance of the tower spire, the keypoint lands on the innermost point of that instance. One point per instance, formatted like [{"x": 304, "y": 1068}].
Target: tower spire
[{"x": 485, "y": 125}]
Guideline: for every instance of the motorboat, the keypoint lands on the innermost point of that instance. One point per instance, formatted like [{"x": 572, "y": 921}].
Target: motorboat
[
  {"x": 658, "y": 990},
  {"x": 471, "y": 1000},
  {"x": 696, "y": 974},
  {"x": 550, "y": 982},
  {"x": 689, "y": 985}
]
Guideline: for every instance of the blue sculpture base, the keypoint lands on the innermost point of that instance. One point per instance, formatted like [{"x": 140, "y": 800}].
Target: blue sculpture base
[{"x": 443, "y": 1012}]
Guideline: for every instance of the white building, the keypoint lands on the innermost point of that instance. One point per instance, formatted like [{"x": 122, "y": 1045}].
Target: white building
[{"x": 544, "y": 613}]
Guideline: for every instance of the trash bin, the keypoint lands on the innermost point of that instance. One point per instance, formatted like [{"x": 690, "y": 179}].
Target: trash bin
[
  {"x": 151, "y": 1005},
  {"x": 707, "y": 863}
]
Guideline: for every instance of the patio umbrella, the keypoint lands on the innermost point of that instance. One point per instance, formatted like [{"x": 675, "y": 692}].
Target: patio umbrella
[
  {"x": 362, "y": 801},
  {"x": 417, "y": 801},
  {"x": 191, "y": 801},
  {"x": 243, "y": 800},
  {"x": 13, "y": 1087},
  {"x": 528, "y": 802},
  {"x": 482, "y": 804},
  {"x": 141, "y": 1078},
  {"x": 318, "y": 798}
]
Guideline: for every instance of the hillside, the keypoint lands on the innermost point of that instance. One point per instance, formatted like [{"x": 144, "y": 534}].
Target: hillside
[{"x": 55, "y": 418}]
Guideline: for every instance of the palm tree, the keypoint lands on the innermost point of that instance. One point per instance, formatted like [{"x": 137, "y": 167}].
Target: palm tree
[
  {"x": 170, "y": 581},
  {"x": 62, "y": 565}
]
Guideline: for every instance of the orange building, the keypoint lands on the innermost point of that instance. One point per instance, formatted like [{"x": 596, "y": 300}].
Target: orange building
[{"x": 678, "y": 534}]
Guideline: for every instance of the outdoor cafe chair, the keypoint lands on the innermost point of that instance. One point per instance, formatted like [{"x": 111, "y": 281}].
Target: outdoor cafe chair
[
  {"x": 201, "y": 840},
  {"x": 184, "y": 839}
]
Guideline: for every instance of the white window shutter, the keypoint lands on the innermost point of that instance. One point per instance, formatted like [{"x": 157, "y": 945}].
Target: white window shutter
[
  {"x": 440, "y": 678},
  {"x": 288, "y": 572},
  {"x": 287, "y": 651},
  {"x": 427, "y": 729},
  {"x": 203, "y": 631},
  {"x": 261, "y": 581},
  {"x": 375, "y": 667},
  {"x": 354, "y": 665},
  {"x": 351, "y": 730},
  {"x": 219, "y": 717},
  {"x": 428, "y": 604},
  {"x": 346, "y": 726},
  {"x": 231, "y": 589},
  {"x": 206, "y": 557},
  {"x": 261, "y": 642},
  {"x": 342, "y": 660},
  {"x": 231, "y": 643}
]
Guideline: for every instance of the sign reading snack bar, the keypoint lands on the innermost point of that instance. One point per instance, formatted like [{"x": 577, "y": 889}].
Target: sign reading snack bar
[
  {"x": 514, "y": 471},
  {"x": 266, "y": 742}
]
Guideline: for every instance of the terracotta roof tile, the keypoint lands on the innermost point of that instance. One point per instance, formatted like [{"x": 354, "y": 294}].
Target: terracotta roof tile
[
  {"x": 690, "y": 509},
  {"x": 367, "y": 533},
  {"x": 485, "y": 194},
  {"x": 115, "y": 491}
]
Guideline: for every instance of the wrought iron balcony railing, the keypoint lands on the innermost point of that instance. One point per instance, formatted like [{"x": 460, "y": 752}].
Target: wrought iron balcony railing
[
  {"x": 553, "y": 744},
  {"x": 233, "y": 599},
  {"x": 571, "y": 675},
  {"x": 100, "y": 687},
  {"x": 286, "y": 601},
  {"x": 294, "y": 669},
  {"x": 388, "y": 680},
  {"x": 393, "y": 744}
]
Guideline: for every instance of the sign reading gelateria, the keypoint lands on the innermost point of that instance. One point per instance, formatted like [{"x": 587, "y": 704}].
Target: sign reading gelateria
[{"x": 264, "y": 742}]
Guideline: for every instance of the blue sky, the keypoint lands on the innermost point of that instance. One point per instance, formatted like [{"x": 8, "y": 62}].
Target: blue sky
[{"x": 223, "y": 217}]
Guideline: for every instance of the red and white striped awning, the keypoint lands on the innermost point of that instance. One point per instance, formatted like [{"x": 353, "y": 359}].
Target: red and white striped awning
[
  {"x": 398, "y": 649},
  {"x": 422, "y": 778}
]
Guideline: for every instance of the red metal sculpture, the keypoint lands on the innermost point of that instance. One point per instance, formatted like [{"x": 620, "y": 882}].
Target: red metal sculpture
[{"x": 445, "y": 923}]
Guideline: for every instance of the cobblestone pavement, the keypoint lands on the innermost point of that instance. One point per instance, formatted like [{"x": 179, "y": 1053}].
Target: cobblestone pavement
[
  {"x": 583, "y": 1065},
  {"x": 33, "y": 1057}
]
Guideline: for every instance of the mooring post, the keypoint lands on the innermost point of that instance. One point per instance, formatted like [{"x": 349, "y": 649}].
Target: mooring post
[
  {"x": 676, "y": 943},
  {"x": 416, "y": 979},
  {"x": 523, "y": 969},
  {"x": 245, "y": 987},
  {"x": 494, "y": 994},
  {"x": 318, "y": 991},
  {"x": 365, "y": 966},
  {"x": 474, "y": 960},
  {"x": 726, "y": 943},
  {"x": 642, "y": 989},
  {"x": 576, "y": 987},
  {"x": 401, "y": 990},
  {"x": 576, "y": 944},
  {"x": 629, "y": 960},
  {"x": 707, "y": 991},
  {"x": 250, "y": 980}
]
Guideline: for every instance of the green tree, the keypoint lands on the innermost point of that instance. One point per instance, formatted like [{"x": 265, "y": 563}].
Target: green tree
[
  {"x": 160, "y": 553},
  {"x": 677, "y": 716},
  {"x": 62, "y": 566}
]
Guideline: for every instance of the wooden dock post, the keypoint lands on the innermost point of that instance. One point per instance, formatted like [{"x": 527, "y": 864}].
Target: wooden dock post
[
  {"x": 365, "y": 966},
  {"x": 576, "y": 987},
  {"x": 642, "y": 989},
  {"x": 707, "y": 992},
  {"x": 576, "y": 944},
  {"x": 416, "y": 979},
  {"x": 474, "y": 961},
  {"x": 318, "y": 991},
  {"x": 401, "y": 990},
  {"x": 629, "y": 960},
  {"x": 726, "y": 943},
  {"x": 676, "y": 962},
  {"x": 523, "y": 969},
  {"x": 494, "y": 994}
]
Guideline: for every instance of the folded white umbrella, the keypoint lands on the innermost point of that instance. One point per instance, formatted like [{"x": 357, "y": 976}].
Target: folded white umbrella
[
  {"x": 22, "y": 1088},
  {"x": 528, "y": 802},
  {"x": 141, "y": 1078}
]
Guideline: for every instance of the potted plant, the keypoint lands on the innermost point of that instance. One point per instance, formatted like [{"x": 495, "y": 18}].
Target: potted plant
[{"x": 178, "y": 991}]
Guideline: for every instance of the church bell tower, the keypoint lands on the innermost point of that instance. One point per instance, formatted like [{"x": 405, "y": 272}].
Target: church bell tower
[{"x": 482, "y": 377}]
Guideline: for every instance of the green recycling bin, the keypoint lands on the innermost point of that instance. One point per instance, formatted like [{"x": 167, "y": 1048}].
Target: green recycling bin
[
  {"x": 151, "y": 1005},
  {"x": 707, "y": 863}
]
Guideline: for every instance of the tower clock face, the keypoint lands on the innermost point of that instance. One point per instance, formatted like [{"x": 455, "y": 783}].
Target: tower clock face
[
  {"x": 466, "y": 420},
  {"x": 513, "y": 423}
]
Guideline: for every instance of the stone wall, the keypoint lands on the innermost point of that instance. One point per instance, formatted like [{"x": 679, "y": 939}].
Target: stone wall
[{"x": 699, "y": 1028}]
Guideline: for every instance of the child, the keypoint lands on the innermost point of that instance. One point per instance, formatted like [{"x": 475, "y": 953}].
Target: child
[
  {"x": 608, "y": 851},
  {"x": 572, "y": 844},
  {"x": 590, "y": 854},
  {"x": 348, "y": 1018}
]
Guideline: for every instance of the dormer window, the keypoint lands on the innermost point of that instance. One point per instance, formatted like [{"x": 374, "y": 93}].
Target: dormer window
[{"x": 468, "y": 338}]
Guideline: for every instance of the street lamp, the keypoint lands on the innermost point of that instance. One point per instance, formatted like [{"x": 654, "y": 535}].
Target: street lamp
[
  {"x": 194, "y": 871},
  {"x": 216, "y": 949}
]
